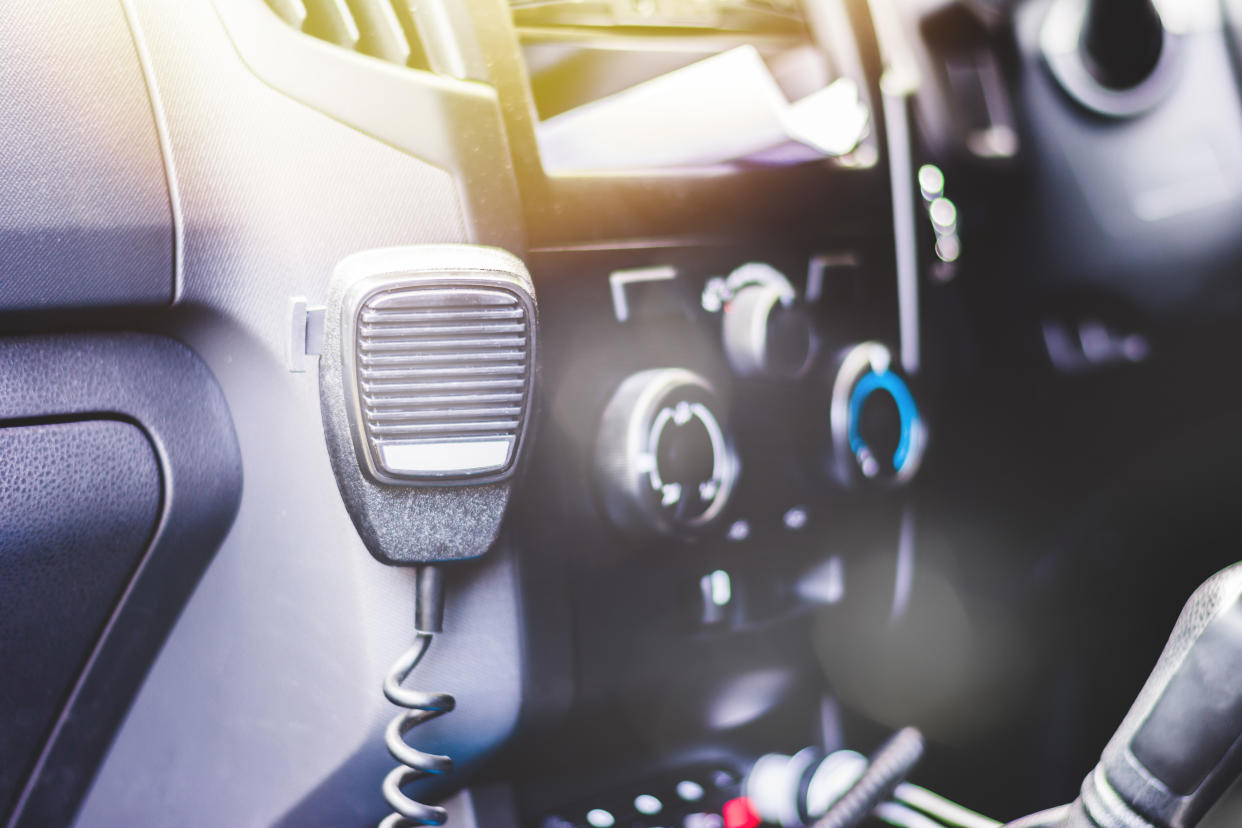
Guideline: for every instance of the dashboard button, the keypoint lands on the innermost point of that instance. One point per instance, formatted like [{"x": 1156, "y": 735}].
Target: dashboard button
[
  {"x": 664, "y": 456},
  {"x": 689, "y": 790},
  {"x": 599, "y": 818},
  {"x": 647, "y": 804}
]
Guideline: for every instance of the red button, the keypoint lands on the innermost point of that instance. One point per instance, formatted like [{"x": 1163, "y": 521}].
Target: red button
[{"x": 740, "y": 813}]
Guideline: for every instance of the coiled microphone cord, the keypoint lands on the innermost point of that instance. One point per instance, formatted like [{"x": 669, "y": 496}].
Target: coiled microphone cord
[{"x": 421, "y": 707}]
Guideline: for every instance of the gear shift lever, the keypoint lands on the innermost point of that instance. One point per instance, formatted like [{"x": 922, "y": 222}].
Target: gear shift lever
[
  {"x": 1180, "y": 746},
  {"x": 1177, "y": 750}
]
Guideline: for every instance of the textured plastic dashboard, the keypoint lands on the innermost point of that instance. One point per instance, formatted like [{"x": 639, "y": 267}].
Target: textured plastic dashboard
[
  {"x": 85, "y": 213},
  {"x": 161, "y": 388}
]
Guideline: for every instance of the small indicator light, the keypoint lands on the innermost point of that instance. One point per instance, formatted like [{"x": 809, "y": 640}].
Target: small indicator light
[{"x": 740, "y": 813}]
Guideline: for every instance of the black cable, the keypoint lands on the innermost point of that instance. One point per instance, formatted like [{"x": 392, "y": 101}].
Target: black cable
[{"x": 421, "y": 707}]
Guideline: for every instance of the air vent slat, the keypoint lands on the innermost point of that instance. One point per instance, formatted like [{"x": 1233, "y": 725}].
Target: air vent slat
[
  {"x": 292, "y": 12},
  {"x": 381, "y": 35},
  {"x": 382, "y": 29},
  {"x": 332, "y": 21},
  {"x": 405, "y": 14}
]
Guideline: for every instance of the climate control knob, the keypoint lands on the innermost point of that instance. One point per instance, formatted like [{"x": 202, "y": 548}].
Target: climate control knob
[
  {"x": 664, "y": 456},
  {"x": 765, "y": 331},
  {"x": 877, "y": 432}
]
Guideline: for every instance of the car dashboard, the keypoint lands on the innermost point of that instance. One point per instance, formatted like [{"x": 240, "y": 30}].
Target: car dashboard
[{"x": 811, "y": 370}]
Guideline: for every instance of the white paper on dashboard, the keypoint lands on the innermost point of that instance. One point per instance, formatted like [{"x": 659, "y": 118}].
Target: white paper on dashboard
[{"x": 725, "y": 108}]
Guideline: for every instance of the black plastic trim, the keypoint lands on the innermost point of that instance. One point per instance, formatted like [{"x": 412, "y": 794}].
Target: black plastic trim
[{"x": 163, "y": 387}]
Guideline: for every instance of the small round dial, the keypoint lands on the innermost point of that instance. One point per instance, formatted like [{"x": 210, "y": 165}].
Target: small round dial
[
  {"x": 877, "y": 431},
  {"x": 664, "y": 456},
  {"x": 765, "y": 331}
]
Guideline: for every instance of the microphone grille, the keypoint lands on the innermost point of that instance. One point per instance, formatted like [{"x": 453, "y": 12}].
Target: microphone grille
[{"x": 441, "y": 375}]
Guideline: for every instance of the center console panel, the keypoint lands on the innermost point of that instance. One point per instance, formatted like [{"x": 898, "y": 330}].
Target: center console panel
[
  {"x": 724, "y": 432},
  {"x": 691, "y": 486}
]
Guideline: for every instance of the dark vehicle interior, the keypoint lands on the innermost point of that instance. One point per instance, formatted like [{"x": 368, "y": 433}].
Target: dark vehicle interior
[{"x": 637, "y": 413}]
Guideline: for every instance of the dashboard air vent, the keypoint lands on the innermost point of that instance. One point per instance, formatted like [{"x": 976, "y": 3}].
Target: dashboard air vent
[
  {"x": 443, "y": 375},
  {"x": 383, "y": 29},
  {"x": 755, "y": 17}
]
